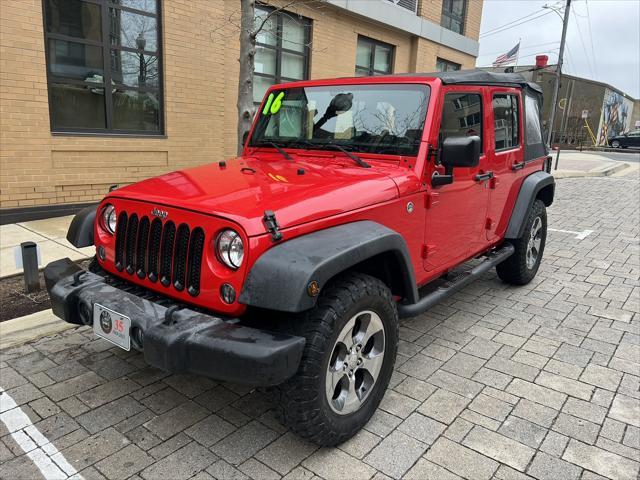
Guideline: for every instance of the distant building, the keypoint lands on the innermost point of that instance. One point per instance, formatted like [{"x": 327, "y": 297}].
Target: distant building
[{"x": 606, "y": 110}]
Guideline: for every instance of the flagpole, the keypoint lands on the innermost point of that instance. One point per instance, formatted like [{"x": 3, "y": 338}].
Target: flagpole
[{"x": 517, "y": 55}]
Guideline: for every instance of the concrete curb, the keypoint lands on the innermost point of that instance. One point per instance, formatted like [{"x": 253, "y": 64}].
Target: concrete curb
[
  {"x": 598, "y": 172},
  {"x": 31, "y": 327}
]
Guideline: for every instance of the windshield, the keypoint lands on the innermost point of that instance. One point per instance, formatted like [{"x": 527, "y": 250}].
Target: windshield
[{"x": 386, "y": 119}]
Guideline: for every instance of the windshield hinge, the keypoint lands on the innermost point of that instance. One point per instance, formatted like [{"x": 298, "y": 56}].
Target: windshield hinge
[
  {"x": 433, "y": 152},
  {"x": 272, "y": 225}
]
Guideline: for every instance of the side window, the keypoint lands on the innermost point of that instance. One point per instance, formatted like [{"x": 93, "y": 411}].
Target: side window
[
  {"x": 506, "y": 117},
  {"x": 533, "y": 132},
  {"x": 461, "y": 115}
]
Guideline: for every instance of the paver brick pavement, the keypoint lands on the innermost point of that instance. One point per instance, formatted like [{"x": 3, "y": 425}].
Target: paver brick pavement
[{"x": 540, "y": 381}]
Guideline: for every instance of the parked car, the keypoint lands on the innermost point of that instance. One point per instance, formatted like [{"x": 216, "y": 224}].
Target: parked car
[
  {"x": 625, "y": 140},
  {"x": 289, "y": 266}
]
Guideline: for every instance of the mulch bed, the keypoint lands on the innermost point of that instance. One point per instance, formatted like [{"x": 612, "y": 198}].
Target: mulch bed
[{"x": 15, "y": 302}]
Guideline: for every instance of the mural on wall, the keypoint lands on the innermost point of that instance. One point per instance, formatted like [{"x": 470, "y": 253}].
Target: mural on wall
[{"x": 616, "y": 116}]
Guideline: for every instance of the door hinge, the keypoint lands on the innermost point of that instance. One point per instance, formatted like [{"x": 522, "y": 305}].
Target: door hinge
[
  {"x": 427, "y": 250},
  {"x": 488, "y": 224},
  {"x": 433, "y": 152},
  {"x": 430, "y": 200}
]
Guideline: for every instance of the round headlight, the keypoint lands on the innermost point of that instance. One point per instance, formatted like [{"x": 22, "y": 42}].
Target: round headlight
[
  {"x": 230, "y": 248},
  {"x": 109, "y": 219}
]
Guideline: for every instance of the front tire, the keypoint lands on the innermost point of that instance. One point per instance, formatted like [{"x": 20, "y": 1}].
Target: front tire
[
  {"x": 615, "y": 144},
  {"x": 522, "y": 266},
  {"x": 347, "y": 362}
]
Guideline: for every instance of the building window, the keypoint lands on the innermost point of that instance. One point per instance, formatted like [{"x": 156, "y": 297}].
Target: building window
[
  {"x": 91, "y": 44},
  {"x": 443, "y": 65},
  {"x": 373, "y": 57},
  {"x": 453, "y": 15},
  {"x": 282, "y": 49},
  {"x": 506, "y": 119}
]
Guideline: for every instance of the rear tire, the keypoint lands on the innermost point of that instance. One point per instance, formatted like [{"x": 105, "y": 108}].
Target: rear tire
[
  {"x": 522, "y": 266},
  {"x": 347, "y": 362}
]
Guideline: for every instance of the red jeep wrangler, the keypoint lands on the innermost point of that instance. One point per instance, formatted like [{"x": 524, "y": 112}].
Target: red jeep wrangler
[{"x": 289, "y": 266}]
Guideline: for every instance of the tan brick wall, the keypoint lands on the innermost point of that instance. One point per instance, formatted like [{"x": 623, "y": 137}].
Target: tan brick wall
[
  {"x": 432, "y": 10},
  {"x": 428, "y": 52},
  {"x": 200, "y": 87}
]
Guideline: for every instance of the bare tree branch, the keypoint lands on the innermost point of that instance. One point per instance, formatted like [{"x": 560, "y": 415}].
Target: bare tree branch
[
  {"x": 282, "y": 9},
  {"x": 249, "y": 28}
]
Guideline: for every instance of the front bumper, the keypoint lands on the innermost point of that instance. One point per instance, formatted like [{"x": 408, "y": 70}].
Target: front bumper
[{"x": 175, "y": 338}]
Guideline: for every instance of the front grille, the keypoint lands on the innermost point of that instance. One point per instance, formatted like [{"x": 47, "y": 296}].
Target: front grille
[
  {"x": 155, "y": 236},
  {"x": 180, "y": 257},
  {"x": 153, "y": 250}
]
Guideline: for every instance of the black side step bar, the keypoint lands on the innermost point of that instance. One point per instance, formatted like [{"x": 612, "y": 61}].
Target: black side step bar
[{"x": 429, "y": 300}]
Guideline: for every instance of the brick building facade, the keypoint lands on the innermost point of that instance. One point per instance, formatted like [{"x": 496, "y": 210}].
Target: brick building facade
[{"x": 64, "y": 138}]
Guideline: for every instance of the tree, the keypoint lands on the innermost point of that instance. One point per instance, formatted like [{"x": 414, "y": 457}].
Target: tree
[{"x": 250, "y": 27}]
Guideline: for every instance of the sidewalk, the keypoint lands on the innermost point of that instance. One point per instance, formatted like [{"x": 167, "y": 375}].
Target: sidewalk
[
  {"x": 49, "y": 234},
  {"x": 577, "y": 164}
]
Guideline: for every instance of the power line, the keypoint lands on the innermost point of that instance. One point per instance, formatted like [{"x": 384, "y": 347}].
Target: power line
[
  {"x": 507, "y": 27},
  {"x": 593, "y": 51},
  {"x": 512, "y": 21},
  {"x": 529, "y": 47},
  {"x": 584, "y": 48},
  {"x": 570, "y": 63}
]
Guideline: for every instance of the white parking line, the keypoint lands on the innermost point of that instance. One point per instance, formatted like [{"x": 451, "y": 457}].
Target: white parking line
[
  {"x": 41, "y": 451},
  {"x": 578, "y": 235}
]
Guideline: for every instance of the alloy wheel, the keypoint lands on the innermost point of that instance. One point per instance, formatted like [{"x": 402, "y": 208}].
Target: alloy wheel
[
  {"x": 355, "y": 362},
  {"x": 535, "y": 241}
]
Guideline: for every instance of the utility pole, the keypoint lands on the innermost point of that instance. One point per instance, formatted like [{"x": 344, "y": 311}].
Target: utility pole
[{"x": 556, "y": 88}]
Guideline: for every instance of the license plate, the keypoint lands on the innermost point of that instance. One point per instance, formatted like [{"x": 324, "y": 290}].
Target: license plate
[{"x": 111, "y": 326}]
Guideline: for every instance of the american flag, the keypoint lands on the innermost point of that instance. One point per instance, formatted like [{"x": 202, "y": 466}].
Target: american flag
[{"x": 508, "y": 57}]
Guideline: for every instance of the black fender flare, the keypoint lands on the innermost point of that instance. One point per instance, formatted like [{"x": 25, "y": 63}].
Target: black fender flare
[
  {"x": 529, "y": 190},
  {"x": 80, "y": 233},
  {"x": 279, "y": 279}
]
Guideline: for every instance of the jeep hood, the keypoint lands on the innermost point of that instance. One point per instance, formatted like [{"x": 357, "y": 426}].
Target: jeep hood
[{"x": 297, "y": 191}]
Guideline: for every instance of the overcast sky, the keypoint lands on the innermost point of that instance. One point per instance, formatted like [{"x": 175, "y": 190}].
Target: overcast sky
[{"x": 603, "y": 37}]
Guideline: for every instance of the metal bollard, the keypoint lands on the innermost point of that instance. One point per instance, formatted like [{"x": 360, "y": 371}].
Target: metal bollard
[{"x": 30, "y": 266}]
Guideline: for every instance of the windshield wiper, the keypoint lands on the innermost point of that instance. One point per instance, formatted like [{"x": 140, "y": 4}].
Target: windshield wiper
[
  {"x": 279, "y": 149},
  {"x": 349, "y": 154},
  {"x": 329, "y": 145}
]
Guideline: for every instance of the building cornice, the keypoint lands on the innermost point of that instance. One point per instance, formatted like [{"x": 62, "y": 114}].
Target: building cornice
[{"x": 401, "y": 19}]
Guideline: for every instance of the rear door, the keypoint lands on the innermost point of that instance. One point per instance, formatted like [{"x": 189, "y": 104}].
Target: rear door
[
  {"x": 505, "y": 156},
  {"x": 456, "y": 216}
]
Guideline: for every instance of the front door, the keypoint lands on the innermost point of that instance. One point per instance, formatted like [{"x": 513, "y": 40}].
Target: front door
[{"x": 455, "y": 219}]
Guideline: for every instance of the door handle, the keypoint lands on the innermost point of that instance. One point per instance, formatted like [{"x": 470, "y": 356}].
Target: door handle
[
  {"x": 517, "y": 166},
  {"x": 484, "y": 176}
]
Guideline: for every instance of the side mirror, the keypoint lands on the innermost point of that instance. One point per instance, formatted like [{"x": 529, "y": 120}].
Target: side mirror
[
  {"x": 457, "y": 152},
  {"x": 460, "y": 152},
  {"x": 245, "y": 135}
]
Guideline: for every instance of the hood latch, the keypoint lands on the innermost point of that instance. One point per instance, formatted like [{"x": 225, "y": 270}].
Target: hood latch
[{"x": 271, "y": 223}]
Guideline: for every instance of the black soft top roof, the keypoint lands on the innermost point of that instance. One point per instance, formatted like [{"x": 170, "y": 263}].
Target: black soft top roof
[{"x": 479, "y": 77}]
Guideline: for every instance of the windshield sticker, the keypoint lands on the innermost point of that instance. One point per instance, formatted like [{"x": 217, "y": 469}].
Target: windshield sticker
[{"x": 273, "y": 106}]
